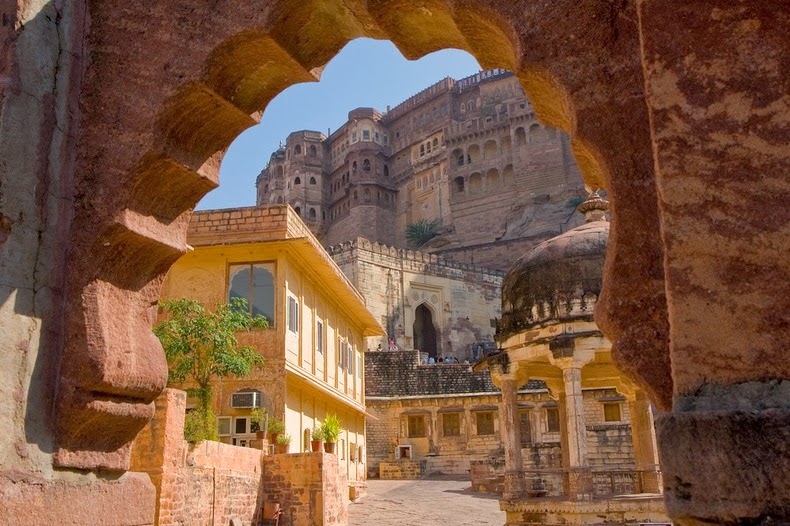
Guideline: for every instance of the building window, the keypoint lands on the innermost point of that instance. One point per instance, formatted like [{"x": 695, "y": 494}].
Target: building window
[
  {"x": 341, "y": 353},
  {"x": 458, "y": 185},
  {"x": 611, "y": 412},
  {"x": 485, "y": 423},
  {"x": 451, "y": 424},
  {"x": 526, "y": 432},
  {"x": 223, "y": 426},
  {"x": 255, "y": 283},
  {"x": 366, "y": 165},
  {"x": 416, "y": 426},
  {"x": 312, "y": 150},
  {"x": 553, "y": 420},
  {"x": 312, "y": 180},
  {"x": 293, "y": 315},
  {"x": 241, "y": 426},
  {"x": 365, "y": 135},
  {"x": 319, "y": 336}
]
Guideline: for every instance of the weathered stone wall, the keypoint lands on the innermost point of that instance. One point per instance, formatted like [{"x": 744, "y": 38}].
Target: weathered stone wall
[
  {"x": 463, "y": 299},
  {"x": 400, "y": 373},
  {"x": 368, "y": 221},
  {"x": 205, "y": 484},
  {"x": 403, "y": 469},
  {"x": 309, "y": 487}
]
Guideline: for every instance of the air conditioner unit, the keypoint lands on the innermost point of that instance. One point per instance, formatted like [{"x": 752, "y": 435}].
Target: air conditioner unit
[{"x": 251, "y": 399}]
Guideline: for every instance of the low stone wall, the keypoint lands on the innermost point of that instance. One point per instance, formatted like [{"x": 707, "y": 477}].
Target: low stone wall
[
  {"x": 403, "y": 469},
  {"x": 207, "y": 484},
  {"x": 486, "y": 477},
  {"x": 309, "y": 488}
]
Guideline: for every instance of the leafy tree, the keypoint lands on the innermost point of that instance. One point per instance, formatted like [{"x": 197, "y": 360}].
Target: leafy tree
[
  {"x": 200, "y": 346},
  {"x": 421, "y": 231}
]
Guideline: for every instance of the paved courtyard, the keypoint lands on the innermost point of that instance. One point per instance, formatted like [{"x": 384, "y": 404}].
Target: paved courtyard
[{"x": 424, "y": 503}]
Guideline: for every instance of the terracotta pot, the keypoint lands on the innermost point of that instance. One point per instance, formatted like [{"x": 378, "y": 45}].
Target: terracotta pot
[
  {"x": 273, "y": 438},
  {"x": 315, "y": 445},
  {"x": 260, "y": 435},
  {"x": 329, "y": 447},
  {"x": 282, "y": 449}
]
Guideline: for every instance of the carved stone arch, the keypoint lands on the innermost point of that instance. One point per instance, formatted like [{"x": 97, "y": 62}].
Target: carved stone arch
[{"x": 155, "y": 160}]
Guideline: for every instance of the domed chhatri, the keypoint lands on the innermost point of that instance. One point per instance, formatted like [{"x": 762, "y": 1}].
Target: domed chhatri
[{"x": 560, "y": 278}]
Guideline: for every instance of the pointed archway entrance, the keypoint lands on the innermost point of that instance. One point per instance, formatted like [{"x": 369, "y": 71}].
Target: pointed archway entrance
[{"x": 424, "y": 330}]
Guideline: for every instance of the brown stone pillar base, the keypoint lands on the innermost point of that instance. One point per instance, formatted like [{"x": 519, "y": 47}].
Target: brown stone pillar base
[
  {"x": 650, "y": 480},
  {"x": 515, "y": 485},
  {"x": 726, "y": 467},
  {"x": 127, "y": 501},
  {"x": 579, "y": 484}
]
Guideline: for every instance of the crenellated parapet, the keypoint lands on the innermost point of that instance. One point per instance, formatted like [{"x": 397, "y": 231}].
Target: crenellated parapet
[{"x": 411, "y": 258}]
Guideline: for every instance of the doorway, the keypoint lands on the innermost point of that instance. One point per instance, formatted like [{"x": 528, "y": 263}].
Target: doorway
[{"x": 424, "y": 331}]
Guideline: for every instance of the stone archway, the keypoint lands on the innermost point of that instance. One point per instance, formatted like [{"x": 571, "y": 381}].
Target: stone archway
[
  {"x": 425, "y": 330},
  {"x": 126, "y": 147},
  {"x": 202, "y": 99}
]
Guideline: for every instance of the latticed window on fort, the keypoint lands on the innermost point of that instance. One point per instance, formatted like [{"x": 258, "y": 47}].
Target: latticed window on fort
[
  {"x": 485, "y": 422},
  {"x": 254, "y": 283},
  {"x": 451, "y": 424},
  {"x": 416, "y": 424},
  {"x": 553, "y": 420}
]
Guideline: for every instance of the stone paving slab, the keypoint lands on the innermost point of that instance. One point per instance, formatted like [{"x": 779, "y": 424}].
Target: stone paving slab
[{"x": 424, "y": 503}]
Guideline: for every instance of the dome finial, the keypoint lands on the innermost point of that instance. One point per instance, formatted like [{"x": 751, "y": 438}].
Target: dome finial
[{"x": 594, "y": 207}]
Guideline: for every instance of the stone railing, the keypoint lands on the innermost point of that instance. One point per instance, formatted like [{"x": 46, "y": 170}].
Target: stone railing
[{"x": 550, "y": 483}]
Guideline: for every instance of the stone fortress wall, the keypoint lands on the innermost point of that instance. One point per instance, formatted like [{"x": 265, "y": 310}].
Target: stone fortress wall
[
  {"x": 463, "y": 299},
  {"x": 468, "y": 153}
]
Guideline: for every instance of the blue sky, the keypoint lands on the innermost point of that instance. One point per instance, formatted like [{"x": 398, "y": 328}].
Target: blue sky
[{"x": 365, "y": 73}]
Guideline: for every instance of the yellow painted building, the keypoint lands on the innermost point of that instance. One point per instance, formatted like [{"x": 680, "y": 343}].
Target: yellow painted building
[{"x": 314, "y": 347}]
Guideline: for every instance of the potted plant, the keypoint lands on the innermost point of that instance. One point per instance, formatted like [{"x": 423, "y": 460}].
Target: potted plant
[
  {"x": 330, "y": 429},
  {"x": 274, "y": 428},
  {"x": 282, "y": 444},
  {"x": 317, "y": 439},
  {"x": 258, "y": 422}
]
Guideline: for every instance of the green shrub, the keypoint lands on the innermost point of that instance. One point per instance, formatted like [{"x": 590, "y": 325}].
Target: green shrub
[
  {"x": 421, "y": 231},
  {"x": 330, "y": 428},
  {"x": 199, "y": 426}
]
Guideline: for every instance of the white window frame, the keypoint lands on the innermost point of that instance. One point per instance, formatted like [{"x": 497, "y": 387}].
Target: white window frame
[
  {"x": 293, "y": 315},
  {"x": 227, "y": 419},
  {"x": 319, "y": 336},
  {"x": 247, "y": 426}
]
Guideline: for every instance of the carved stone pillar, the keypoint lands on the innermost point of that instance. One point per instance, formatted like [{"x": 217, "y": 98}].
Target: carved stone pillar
[
  {"x": 574, "y": 432},
  {"x": 510, "y": 431},
  {"x": 643, "y": 436}
]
